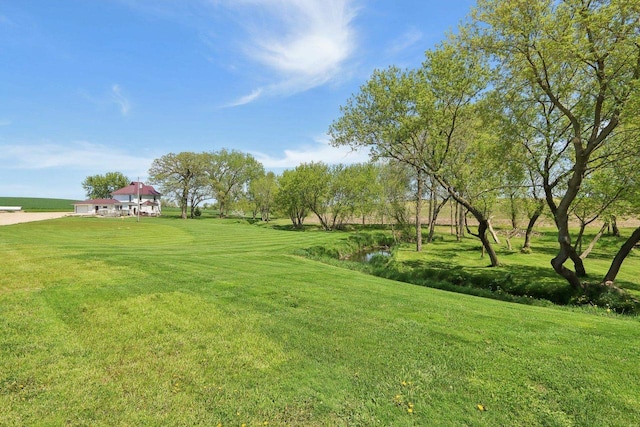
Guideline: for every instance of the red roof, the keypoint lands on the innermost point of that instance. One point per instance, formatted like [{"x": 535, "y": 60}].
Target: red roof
[
  {"x": 132, "y": 189},
  {"x": 99, "y": 202}
]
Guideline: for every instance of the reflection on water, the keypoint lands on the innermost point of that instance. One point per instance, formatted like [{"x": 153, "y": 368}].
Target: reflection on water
[{"x": 366, "y": 256}]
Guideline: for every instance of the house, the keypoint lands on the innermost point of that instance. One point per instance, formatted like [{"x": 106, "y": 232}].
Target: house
[
  {"x": 104, "y": 207},
  {"x": 125, "y": 201}
]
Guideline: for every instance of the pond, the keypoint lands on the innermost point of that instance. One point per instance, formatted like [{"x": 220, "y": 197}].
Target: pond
[{"x": 367, "y": 255}]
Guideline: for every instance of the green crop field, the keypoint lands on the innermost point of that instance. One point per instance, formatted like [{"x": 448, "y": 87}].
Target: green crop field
[
  {"x": 109, "y": 322},
  {"x": 32, "y": 204}
]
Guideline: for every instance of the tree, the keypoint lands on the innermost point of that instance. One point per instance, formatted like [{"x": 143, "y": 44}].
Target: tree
[
  {"x": 576, "y": 62},
  {"x": 183, "y": 176},
  {"x": 289, "y": 197},
  {"x": 363, "y": 187},
  {"x": 230, "y": 173},
  {"x": 600, "y": 191},
  {"x": 262, "y": 191},
  {"x": 384, "y": 117},
  {"x": 427, "y": 119},
  {"x": 101, "y": 186},
  {"x": 316, "y": 180},
  {"x": 394, "y": 179}
]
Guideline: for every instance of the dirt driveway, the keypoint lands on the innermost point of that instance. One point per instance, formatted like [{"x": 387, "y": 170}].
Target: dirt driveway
[{"x": 9, "y": 218}]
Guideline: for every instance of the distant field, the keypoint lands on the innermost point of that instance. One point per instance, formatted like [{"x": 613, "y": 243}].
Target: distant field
[
  {"x": 34, "y": 204},
  {"x": 110, "y": 322}
]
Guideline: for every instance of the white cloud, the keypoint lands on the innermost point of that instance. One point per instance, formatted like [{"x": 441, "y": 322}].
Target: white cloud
[
  {"x": 246, "y": 99},
  {"x": 408, "y": 39},
  {"x": 120, "y": 99},
  {"x": 304, "y": 43},
  {"x": 321, "y": 151},
  {"x": 77, "y": 155}
]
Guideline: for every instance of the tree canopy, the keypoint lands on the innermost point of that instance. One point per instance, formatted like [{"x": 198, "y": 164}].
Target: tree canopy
[{"x": 101, "y": 186}]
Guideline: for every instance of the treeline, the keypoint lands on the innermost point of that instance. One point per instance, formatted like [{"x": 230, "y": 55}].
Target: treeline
[
  {"x": 530, "y": 100},
  {"x": 335, "y": 194},
  {"x": 535, "y": 101}
]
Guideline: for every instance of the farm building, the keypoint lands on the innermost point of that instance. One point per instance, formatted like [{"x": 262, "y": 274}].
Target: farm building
[{"x": 125, "y": 201}]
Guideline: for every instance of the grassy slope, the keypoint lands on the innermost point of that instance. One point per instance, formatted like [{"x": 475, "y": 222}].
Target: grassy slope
[
  {"x": 532, "y": 271},
  {"x": 110, "y": 322},
  {"x": 30, "y": 204}
]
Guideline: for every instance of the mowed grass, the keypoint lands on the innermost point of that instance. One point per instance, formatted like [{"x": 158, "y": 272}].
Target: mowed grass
[
  {"x": 527, "y": 274},
  {"x": 206, "y": 322},
  {"x": 31, "y": 204}
]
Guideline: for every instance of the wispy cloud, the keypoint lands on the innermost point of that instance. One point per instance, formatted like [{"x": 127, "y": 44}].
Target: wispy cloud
[
  {"x": 121, "y": 100},
  {"x": 5, "y": 122},
  {"x": 246, "y": 99},
  {"x": 320, "y": 151},
  {"x": 303, "y": 44},
  {"x": 405, "y": 41},
  {"x": 299, "y": 44},
  {"x": 77, "y": 155}
]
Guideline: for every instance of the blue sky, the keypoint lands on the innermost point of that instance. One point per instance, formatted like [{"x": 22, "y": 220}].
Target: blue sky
[{"x": 92, "y": 86}]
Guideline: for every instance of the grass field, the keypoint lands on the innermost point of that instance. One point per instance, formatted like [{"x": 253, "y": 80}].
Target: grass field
[
  {"x": 206, "y": 322},
  {"x": 30, "y": 204}
]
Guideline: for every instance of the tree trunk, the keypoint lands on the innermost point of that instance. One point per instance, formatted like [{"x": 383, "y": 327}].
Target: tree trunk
[
  {"x": 578, "y": 246},
  {"x": 514, "y": 212},
  {"x": 451, "y": 216},
  {"x": 532, "y": 221},
  {"x": 597, "y": 237},
  {"x": 565, "y": 253},
  {"x": 493, "y": 233},
  {"x": 183, "y": 207},
  {"x": 486, "y": 244},
  {"x": 431, "y": 207},
  {"x": 626, "y": 248},
  {"x": 614, "y": 227},
  {"x": 324, "y": 222},
  {"x": 436, "y": 212},
  {"x": 419, "y": 191},
  {"x": 457, "y": 220},
  {"x": 558, "y": 265}
]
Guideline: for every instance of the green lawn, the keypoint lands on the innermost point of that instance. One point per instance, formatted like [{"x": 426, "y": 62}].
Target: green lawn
[
  {"x": 31, "y": 204},
  {"x": 206, "y": 322}
]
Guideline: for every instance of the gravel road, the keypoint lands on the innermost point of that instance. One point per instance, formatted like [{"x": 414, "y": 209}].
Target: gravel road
[{"x": 9, "y": 218}]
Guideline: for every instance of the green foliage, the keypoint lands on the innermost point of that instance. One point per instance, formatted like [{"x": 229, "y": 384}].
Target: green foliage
[
  {"x": 261, "y": 194},
  {"x": 101, "y": 186},
  {"x": 290, "y": 197},
  {"x": 229, "y": 174},
  {"x": 182, "y": 176},
  {"x": 570, "y": 71}
]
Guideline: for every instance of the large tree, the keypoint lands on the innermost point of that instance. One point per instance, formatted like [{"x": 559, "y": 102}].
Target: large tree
[
  {"x": 230, "y": 173},
  {"x": 182, "y": 175},
  {"x": 384, "y": 117},
  {"x": 101, "y": 186},
  {"x": 577, "y": 64},
  {"x": 428, "y": 119}
]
